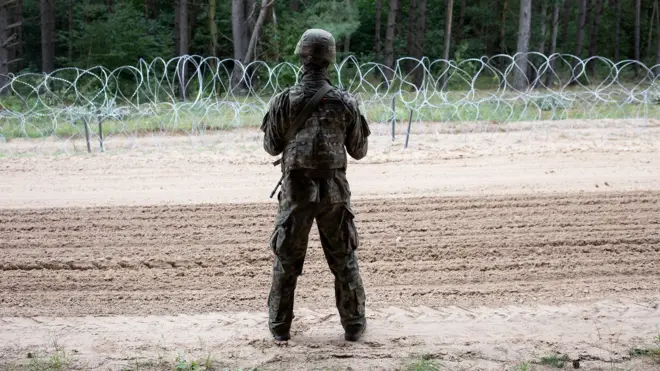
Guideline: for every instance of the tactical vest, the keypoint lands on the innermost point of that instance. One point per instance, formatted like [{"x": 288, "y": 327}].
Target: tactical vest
[{"x": 319, "y": 143}]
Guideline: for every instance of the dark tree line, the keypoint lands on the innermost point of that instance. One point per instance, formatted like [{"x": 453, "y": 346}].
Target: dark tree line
[{"x": 41, "y": 35}]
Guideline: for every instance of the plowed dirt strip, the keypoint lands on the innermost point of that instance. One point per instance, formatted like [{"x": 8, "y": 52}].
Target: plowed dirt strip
[{"x": 418, "y": 251}]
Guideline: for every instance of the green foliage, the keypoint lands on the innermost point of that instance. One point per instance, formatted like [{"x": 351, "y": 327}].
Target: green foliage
[
  {"x": 340, "y": 18},
  {"x": 652, "y": 352},
  {"x": 126, "y": 34},
  {"x": 523, "y": 366},
  {"x": 655, "y": 96},
  {"x": 119, "y": 38},
  {"x": 557, "y": 361},
  {"x": 553, "y": 102},
  {"x": 58, "y": 360},
  {"x": 425, "y": 363}
]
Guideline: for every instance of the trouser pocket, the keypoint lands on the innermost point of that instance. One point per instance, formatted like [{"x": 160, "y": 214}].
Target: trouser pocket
[
  {"x": 280, "y": 232},
  {"x": 352, "y": 236}
]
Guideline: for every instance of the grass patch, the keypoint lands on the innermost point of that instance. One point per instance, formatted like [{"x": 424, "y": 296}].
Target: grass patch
[
  {"x": 183, "y": 364},
  {"x": 196, "y": 118},
  {"x": 652, "y": 352},
  {"x": 523, "y": 366},
  {"x": 58, "y": 360},
  {"x": 55, "y": 362},
  {"x": 180, "y": 363},
  {"x": 423, "y": 364},
  {"x": 556, "y": 361}
]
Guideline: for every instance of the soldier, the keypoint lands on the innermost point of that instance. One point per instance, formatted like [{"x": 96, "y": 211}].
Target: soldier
[{"x": 314, "y": 185}]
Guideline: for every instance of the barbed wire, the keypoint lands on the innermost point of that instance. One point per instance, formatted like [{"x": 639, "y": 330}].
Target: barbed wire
[{"x": 203, "y": 96}]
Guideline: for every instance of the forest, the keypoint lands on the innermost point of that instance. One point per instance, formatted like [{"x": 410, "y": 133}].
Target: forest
[{"x": 42, "y": 35}]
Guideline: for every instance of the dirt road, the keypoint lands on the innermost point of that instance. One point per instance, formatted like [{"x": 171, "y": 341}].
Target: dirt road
[{"x": 479, "y": 260}]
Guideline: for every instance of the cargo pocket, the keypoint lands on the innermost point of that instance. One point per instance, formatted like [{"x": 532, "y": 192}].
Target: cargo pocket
[
  {"x": 361, "y": 300},
  {"x": 351, "y": 231},
  {"x": 279, "y": 234}
]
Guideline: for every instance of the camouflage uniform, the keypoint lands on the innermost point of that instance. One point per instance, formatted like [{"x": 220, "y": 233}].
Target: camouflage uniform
[{"x": 315, "y": 187}]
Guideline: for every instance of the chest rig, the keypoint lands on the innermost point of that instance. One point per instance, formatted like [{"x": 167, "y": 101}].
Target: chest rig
[{"x": 315, "y": 139}]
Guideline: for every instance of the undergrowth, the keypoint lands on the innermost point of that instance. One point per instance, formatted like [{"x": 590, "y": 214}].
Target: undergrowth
[
  {"x": 58, "y": 360},
  {"x": 523, "y": 366},
  {"x": 425, "y": 363},
  {"x": 652, "y": 352},
  {"x": 556, "y": 361},
  {"x": 182, "y": 364}
]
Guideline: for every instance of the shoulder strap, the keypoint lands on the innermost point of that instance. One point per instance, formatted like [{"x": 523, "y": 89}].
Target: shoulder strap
[
  {"x": 304, "y": 115},
  {"x": 306, "y": 111}
]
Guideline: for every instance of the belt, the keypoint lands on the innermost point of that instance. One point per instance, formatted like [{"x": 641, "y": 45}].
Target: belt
[
  {"x": 314, "y": 173},
  {"x": 310, "y": 173}
]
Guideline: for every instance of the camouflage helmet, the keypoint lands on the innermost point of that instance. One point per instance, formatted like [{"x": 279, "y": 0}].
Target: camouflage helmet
[{"x": 317, "y": 45}]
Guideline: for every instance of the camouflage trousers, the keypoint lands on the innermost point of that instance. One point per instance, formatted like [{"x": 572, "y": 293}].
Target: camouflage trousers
[{"x": 339, "y": 240}]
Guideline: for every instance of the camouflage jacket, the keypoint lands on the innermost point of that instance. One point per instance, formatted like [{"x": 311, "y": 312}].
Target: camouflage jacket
[{"x": 348, "y": 123}]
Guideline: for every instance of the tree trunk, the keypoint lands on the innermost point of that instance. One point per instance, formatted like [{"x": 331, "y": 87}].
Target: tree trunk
[
  {"x": 70, "y": 38},
  {"x": 11, "y": 22},
  {"x": 502, "y": 28},
  {"x": 582, "y": 19},
  {"x": 111, "y": 7},
  {"x": 239, "y": 29},
  {"x": 461, "y": 24},
  {"x": 587, "y": 25},
  {"x": 411, "y": 27},
  {"x": 213, "y": 29},
  {"x": 419, "y": 41},
  {"x": 389, "y": 37},
  {"x": 657, "y": 56},
  {"x": 542, "y": 25},
  {"x": 177, "y": 28},
  {"x": 293, "y": 5},
  {"x": 593, "y": 42},
  {"x": 154, "y": 9},
  {"x": 183, "y": 42},
  {"x": 183, "y": 27},
  {"x": 617, "y": 40},
  {"x": 4, "y": 49},
  {"x": 239, "y": 76},
  {"x": 19, "y": 16},
  {"x": 566, "y": 17},
  {"x": 252, "y": 47},
  {"x": 379, "y": 9},
  {"x": 251, "y": 16},
  {"x": 47, "y": 10},
  {"x": 447, "y": 45},
  {"x": 638, "y": 16},
  {"x": 192, "y": 21},
  {"x": 271, "y": 17},
  {"x": 649, "y": 52},
  {"x": 520, "y": 73},
  {"x": 553, "y": 43},
  {"x": 448, "y": 22}
]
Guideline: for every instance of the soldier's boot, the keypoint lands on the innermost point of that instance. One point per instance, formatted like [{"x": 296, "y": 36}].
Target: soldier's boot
[
  {"x": 284, "y": 337},
  {"x": 354, "y": 333}
]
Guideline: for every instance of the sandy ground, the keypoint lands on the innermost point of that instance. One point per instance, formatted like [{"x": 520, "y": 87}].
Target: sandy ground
[
  {"x": 232, "y": 167},
  {"x": 479, "y": 250}
]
